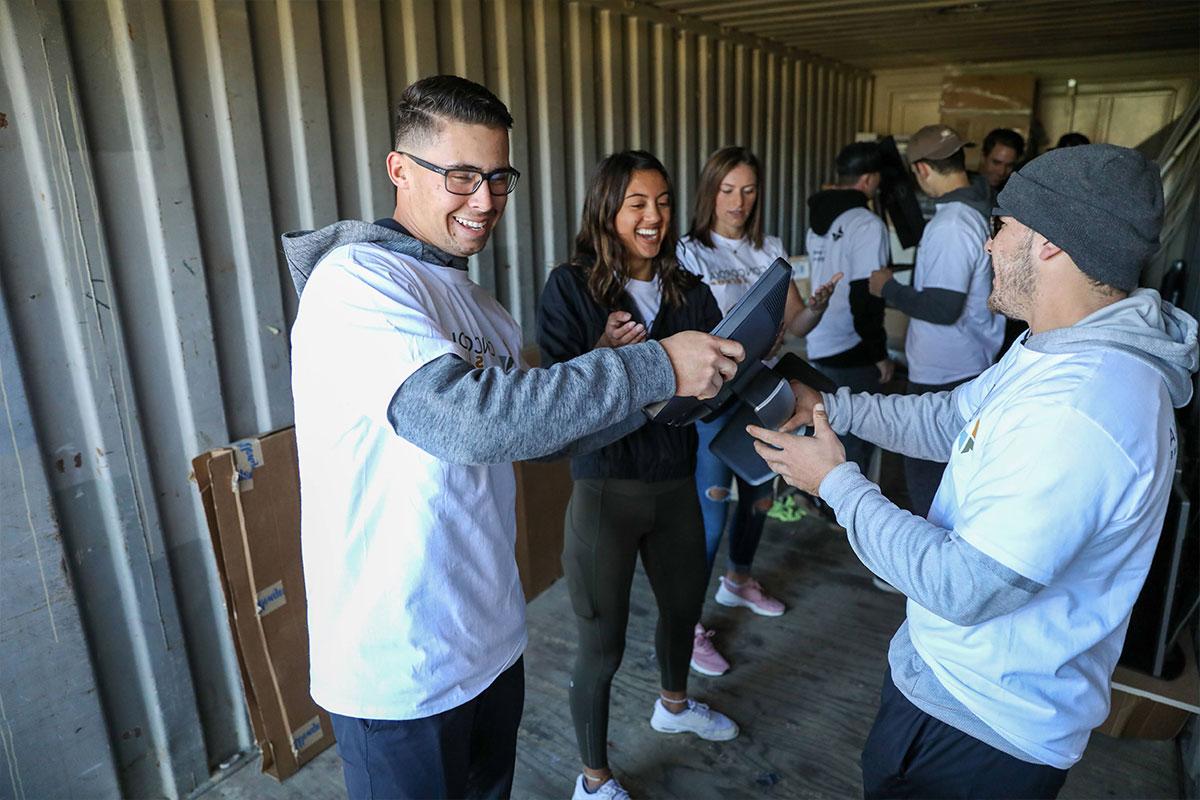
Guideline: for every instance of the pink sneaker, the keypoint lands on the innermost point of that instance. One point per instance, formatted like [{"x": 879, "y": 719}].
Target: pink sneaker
[
  {"x": 751, "y": 595},
  {"x": 705, "y": 658}
]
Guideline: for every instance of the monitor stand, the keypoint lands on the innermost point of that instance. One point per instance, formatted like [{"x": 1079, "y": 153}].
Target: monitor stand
[{"x": 767, "y": 401}]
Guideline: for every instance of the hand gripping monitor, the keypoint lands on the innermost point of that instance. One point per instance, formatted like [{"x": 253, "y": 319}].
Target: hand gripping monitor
[
  {"x": 757, "y": 394},
  {"x": 754, "y": 322}
]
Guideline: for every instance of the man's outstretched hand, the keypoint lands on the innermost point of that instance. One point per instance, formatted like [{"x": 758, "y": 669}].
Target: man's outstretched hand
[
  {"x": 802, "y": 461},
  {"x": 702, "y": 362},
  {"x": 806, "y": 398},
  {"x": 878, "y": 279}
]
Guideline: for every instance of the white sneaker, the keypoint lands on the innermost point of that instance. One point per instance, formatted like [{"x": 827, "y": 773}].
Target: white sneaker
[
  {"x": 609, "y": 790},
  {"x": 697, "y": 718}
]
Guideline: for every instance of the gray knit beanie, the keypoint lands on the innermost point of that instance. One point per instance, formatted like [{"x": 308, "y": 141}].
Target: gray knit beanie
[{"x": 1100, "y": 203}]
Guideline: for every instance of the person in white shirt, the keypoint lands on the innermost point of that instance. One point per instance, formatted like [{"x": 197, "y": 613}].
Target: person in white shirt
[
  {"x": 849, "y": 344},
  {"x": 411, "y": 402},
  {"x": 952, "y": 334},
  {"x": 1043, "y": 530},
  {"x": 726, "y": 246}
]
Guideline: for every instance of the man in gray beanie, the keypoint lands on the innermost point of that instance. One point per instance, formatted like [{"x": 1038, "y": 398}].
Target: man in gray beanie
[{"x": 1061, "y": 456}]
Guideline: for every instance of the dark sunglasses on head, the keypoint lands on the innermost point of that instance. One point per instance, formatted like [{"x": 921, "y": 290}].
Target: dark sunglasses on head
[{"x": 466, "y": 181}]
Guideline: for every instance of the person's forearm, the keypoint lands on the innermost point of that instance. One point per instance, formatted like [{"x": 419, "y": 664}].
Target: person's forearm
[
  {"x": 920, "y": 426},
  {"x": 489, "y": 416},
  {"x": 804, "y": 321},
  {"x": 601, "y": 438},
  {"x": 939, "y": 306},
  {"x": 931, "y": 565}
]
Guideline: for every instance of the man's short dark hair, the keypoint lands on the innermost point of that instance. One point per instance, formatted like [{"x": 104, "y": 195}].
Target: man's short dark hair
[
  {"x": 429, "y": 102},
  {"x": 1073, "y": 139},
  {"x": 857, "y": 159},
  {"x": 1006, "y": 137},
  {"x": 955, "y": 162}
]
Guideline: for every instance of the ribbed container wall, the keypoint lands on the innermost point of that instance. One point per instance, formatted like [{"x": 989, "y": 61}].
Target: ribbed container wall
[{"x": 152, "y": 151}]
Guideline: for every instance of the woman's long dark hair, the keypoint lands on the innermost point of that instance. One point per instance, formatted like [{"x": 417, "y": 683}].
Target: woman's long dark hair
[
  {"x": 598, "y": 246},
  {"x": 704, "y": 215}
]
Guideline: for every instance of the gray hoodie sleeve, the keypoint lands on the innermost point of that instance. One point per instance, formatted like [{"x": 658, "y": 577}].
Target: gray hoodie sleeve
[
  {"x": 932, "y": 566},
  {"x": 915, "y": 425},
  {"x": 576, "y": 406}
]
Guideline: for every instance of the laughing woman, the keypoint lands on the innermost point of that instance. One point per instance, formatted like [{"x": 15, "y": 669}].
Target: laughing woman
[
  {"x": 637, "y": 495},
  {"x": 726, "y": 247}
]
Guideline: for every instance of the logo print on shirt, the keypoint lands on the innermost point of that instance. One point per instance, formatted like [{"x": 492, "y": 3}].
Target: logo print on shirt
[
  {"x": 728, "y": 275},
  {"x": 837, "y": 234},
  {"x": 966, "y": 441},
  {"x": 480, "y": 346}
]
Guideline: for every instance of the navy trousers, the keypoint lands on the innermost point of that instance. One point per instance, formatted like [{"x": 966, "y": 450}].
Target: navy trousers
[
  {"x": 468, "y": 751},
  {"x": 911, "y": 754}
]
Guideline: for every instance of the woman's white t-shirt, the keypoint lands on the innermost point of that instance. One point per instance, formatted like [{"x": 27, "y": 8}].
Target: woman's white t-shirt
[
  {"x": 731, "y": 266},
  {"x": 647, "y": 298}
]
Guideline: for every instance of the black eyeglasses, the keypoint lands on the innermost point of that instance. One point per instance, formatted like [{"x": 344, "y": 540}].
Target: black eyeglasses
[
  {"x": 997, "y": 224},
  {"x": 462, "y": 180}
]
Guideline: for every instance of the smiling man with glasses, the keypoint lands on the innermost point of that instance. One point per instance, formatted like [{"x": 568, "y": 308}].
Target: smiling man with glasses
[
  {"x": 411, "y": 403},
  {"x": 464, "y": 180}
]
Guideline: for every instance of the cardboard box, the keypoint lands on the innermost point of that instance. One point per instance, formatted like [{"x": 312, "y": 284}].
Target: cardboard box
[
  {"x": 543, "y": 491},
  {"x": 251, "y": 496},
  {"x": 1148, "y": 708}
]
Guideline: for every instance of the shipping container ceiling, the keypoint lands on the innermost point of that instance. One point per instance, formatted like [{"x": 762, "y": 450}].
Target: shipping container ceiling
[{"x": 882, "y": 35}]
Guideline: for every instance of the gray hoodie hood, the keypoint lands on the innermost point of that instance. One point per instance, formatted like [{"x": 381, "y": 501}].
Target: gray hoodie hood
[
  {"x": 304, "y": 249},
  {"x": 977, "y": 195},
  {"x": 1142, "y": 325}
]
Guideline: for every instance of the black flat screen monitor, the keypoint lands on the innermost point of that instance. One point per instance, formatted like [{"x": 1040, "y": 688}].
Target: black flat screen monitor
[
  {"x": 899, "y": 195},
  {"x": 755, "y": 322}
]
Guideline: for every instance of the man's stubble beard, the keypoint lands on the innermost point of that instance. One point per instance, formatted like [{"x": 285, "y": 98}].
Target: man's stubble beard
[{"x": 1012, "y": 297}]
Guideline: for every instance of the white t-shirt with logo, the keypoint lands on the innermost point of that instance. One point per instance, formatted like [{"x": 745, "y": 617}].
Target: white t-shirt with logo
[
  {"x": 731, "y": 266},
  {"x": 1060, "y": 474},
  {"x": 951, "y": 256},
  {"x": 414, "y": 602},
  {"x": 647, "y": 297},
  {"x": 855, "y": 245}
]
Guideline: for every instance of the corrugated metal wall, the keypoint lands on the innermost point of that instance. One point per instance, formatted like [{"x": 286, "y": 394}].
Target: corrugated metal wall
[{"x": 151, "y": 153}]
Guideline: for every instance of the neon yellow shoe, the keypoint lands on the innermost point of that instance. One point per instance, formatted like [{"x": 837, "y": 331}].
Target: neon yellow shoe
[{"x": 786, "y": 509}]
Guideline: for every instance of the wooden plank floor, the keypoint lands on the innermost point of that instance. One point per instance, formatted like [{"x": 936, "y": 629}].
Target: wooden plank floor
[{"x": 804, "y": 687}]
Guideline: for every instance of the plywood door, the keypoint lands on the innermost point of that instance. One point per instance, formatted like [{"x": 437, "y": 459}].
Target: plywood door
[
  {"x": 1125, "y": 113},
  {"x": 974, "y": 105}
]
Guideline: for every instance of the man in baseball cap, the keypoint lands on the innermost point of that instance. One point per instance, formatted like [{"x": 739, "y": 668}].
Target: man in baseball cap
[
  {"x": 1061, "y": 459},
  {"x": 952, "y": 335}
]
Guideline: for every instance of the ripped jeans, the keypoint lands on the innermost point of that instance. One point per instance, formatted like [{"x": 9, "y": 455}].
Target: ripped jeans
[{"x": 712, "y": 485}]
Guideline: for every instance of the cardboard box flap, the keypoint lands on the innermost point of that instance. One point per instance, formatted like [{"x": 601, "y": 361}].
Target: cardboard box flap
[{"x": 253, "y": 490}]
